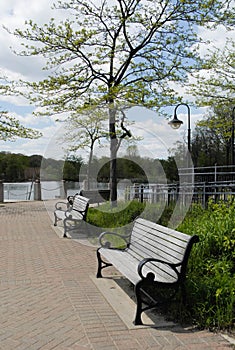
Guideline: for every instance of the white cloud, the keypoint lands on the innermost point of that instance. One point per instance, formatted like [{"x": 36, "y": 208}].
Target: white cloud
[
  {"x": 13, "y": 14},
  {"x": 217, "y": 38},
  {"x": 14, "y": 100}
]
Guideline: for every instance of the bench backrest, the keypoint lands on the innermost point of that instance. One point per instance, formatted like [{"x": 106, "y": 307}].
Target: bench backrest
[
  {"x": 149, "y": 239},
  {"x": 80, "y": 206}
]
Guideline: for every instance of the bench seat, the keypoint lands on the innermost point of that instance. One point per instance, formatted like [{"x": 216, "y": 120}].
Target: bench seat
[
  {"x": 127, "y": 265},
  {"x": 154, "y": 256}
]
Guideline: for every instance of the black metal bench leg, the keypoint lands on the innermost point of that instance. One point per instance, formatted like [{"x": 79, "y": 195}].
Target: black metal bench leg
[
  {"x": 65, "y": 229},
  {"x": 101, "y": 264},
  {"x": 56, "y": 219},
  {"x": 99, "y": 275},
  {"x": 138, "y": 320}
]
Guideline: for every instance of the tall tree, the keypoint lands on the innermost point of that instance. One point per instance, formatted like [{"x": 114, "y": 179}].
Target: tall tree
[
  {"x": 86, "y": 129},
  {"x": 208, "y": 148},
  {"x": 213, "y": 135},
  {"x": 83, "y": 131},
  {"x": 215, "y": 87},
  {"x": 120, "y": 50},
  {"x": 215, "y": 84}
]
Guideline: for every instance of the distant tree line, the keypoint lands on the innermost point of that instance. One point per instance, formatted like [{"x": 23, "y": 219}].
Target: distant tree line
[
  {"x": 20, "y": 168},
  {"x": 208, "y": 149}
]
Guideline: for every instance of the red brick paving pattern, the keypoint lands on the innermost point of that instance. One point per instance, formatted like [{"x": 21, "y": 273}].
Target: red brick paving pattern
[{"x": 48, "y": 301}]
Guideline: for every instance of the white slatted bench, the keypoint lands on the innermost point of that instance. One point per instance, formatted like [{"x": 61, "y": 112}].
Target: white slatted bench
[
  {"x": 154, "y": 256},
  {"x": 74, "y": 214}
]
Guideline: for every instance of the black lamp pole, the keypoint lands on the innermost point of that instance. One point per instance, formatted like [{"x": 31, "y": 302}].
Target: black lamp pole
[{"x": 175, "y": 123}]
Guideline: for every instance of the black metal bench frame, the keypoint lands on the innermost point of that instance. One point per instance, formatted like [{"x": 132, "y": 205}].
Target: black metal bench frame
[
  {"x": 154, "y": 256},
  {"x": 73, "y": 212}
]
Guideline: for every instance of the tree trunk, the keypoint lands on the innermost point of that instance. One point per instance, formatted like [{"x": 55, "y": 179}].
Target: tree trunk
[
  {"x": 89, "y": 166},
  {"x": 113, "y": 157}
]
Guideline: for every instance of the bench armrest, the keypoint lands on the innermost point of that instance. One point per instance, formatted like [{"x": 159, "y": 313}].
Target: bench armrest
[
  {"x": 68, "y": 213},
  {"x": 151, "y": 275},
  {"x": 61, "y": 206},
  {"x": 70, "y": 199},
  {"x": 113, "y": 240}
]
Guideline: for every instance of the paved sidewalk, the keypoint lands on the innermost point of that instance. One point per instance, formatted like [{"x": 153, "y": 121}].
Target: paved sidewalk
[{"x": 49, "y": 300}]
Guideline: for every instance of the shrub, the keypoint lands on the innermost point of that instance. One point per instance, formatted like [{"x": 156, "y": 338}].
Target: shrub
[
  {"x": 126, "y": 212},
  {"x": 107, "y": 217},
  {"x": 211, "y": 282}
]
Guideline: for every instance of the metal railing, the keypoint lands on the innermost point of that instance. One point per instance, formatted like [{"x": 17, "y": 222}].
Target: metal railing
[
  {"x": 197, "y": 193},
  {"x": 30, "y": 191},
  {"x": 213, "y": 174}
]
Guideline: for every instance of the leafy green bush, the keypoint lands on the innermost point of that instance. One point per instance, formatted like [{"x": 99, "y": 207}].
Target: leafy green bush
[
  {"x": 107, "y": 217},
  {"x": 211, "y": 281},
  {"x": 126, "y": 212}
]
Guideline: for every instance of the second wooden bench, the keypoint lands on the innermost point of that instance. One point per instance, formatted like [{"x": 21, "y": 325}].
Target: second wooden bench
[{"x": 73, "y": 214}]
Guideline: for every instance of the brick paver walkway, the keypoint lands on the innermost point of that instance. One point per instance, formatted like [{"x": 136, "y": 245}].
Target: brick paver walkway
[{"x": 48, "y": 301}]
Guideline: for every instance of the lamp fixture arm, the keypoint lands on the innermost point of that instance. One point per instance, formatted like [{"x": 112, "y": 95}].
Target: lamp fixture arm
[{"x": 185, "y": 104}]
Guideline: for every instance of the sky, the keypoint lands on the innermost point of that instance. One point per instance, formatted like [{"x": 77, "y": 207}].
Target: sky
[{"x": 157, "y": 135}]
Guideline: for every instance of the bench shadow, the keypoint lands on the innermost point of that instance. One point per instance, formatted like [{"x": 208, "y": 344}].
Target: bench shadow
[
  {"x": 81, "y": 233},
  {"x": 158, "y": 318}
]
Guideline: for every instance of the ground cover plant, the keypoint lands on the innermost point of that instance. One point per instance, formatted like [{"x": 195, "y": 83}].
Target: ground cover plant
[{"x": 210, "y": 282}]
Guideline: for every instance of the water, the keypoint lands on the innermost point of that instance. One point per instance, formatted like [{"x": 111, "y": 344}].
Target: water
[{"x": 49, "y": 190}]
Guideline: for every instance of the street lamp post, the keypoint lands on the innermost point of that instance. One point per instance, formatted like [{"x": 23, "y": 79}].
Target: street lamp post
[{"x": 175, "y": 123}]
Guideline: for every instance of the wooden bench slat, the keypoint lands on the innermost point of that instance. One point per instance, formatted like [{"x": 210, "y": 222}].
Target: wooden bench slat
[
  {"x": 157, "y": 249},
  {"x": 148, "y": 239},
  {"x": 127, "y": 266},
  {"x": 144, "y": 252},
  {"x": 123, "y": 263},
  {"x": 155, "y": 235},
  {"x": 157, "y": 246},
  {"x": 159, "y": 269},
  {"x": 149, "y": 224}
]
